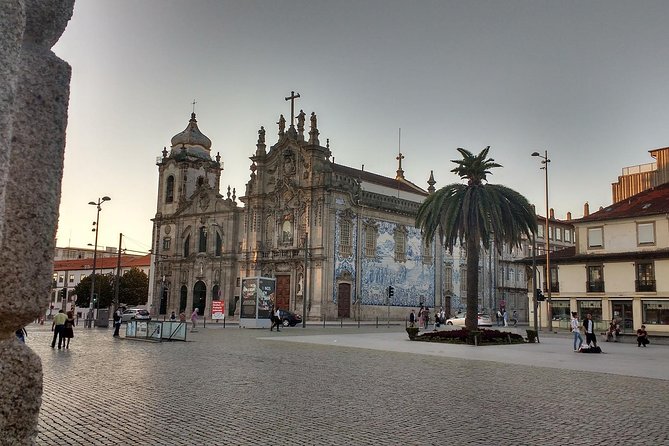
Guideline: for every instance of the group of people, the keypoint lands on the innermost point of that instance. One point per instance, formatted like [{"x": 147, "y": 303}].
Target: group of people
[
  {"x": 423, "y": 317},
  {"x": 503, "y": 317},
  {"x": 588, "y": 328}
]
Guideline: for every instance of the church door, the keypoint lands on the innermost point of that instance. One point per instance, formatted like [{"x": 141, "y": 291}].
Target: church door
[
  {"x": 344, "y": 300},
  {"x": 283, "y": 292},
  {"x": 200, "y": 297}
]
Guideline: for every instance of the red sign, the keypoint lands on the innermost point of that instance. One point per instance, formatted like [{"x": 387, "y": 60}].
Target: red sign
[{"x": 217, "y": 309}]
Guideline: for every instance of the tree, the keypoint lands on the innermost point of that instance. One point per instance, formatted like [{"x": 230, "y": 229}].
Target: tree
[
  {"x": 474, "y": 214},
  {"x": 134, "y": 287},
  {"x": 104, "y": 290}
]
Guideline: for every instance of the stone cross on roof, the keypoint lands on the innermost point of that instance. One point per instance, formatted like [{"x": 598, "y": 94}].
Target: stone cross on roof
[{"x": 292, "y": 98}]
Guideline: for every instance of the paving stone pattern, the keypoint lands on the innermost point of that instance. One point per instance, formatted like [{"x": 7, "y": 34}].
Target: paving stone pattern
[{"x": 232, "y": 387}]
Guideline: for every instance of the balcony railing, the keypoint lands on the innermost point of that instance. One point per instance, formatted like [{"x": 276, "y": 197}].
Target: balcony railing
[
  {"x": 645, "y": 285},
  {"x": 595, "y": 286}
]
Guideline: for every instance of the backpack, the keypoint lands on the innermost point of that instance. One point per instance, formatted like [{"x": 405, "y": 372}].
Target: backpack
[{"x": 591, "y": 350}]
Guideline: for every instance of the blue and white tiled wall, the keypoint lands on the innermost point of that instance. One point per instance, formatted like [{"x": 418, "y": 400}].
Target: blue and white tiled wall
[{"x": 412, "y": 280}]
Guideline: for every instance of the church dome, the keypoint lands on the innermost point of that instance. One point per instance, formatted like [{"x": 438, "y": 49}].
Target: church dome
[{"x": 192, "y": 137}]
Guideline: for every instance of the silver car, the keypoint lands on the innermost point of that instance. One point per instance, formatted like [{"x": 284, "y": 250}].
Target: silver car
[{"x": 135, "y": 314}]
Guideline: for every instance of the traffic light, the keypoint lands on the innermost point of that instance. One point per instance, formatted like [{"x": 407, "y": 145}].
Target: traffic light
[
  {"x": 95, "y": 297},
  {"x": 540, "y": 295},
  {"x": 63, "y": 294},
  {"x": 391, "y": 291}
]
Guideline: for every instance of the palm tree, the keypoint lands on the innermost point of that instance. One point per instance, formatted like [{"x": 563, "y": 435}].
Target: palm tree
[{"x": 475, "y": 214}]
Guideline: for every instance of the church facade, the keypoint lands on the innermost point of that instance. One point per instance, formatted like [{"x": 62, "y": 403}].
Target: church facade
[{"x": 334, "y": 237}]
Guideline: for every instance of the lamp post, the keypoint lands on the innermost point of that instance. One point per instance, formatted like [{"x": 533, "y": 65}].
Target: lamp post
[
  {"x": 96, "y": 229},
  {"x": 549, "y": 313}
]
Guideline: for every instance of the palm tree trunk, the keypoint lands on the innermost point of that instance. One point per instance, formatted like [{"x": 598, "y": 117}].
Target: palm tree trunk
[{"x": 471, "y": 318}]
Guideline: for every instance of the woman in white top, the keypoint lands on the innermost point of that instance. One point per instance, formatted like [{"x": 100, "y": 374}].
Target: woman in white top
[{"x": 576, "y": 330}]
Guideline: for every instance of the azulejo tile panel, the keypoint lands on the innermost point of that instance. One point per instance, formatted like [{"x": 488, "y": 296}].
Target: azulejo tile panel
[{"x": 412, "y": 279}]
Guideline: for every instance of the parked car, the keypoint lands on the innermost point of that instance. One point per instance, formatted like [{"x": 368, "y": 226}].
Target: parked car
[
  {"x": 289, "y": 319},
  {"x": 135, "y": 314},
  {"x": 459, "y": 319}
]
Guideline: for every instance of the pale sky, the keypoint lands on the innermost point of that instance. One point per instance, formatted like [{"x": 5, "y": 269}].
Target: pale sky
[{"x": 585, "y": 80}]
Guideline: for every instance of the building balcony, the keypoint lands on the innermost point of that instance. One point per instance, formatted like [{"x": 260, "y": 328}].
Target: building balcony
[
  {"x": 555, "y": 287},
  {"x": 645, "y": 286},
  {"x": 595, "y": 286}
]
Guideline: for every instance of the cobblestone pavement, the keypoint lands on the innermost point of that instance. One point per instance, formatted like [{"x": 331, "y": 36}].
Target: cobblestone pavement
[{"x": 236, "y": 387}]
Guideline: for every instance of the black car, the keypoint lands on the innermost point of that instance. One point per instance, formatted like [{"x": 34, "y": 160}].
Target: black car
[{"x": 289, "y": 319}]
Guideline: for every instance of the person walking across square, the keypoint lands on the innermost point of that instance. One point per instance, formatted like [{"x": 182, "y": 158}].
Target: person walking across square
[
  {"x": 68, "y": 329},
  {"x": 276, "y": 320}
]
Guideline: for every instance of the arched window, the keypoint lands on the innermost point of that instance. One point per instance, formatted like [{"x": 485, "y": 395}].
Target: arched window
[
  {"x": 169, "y": 190},
  {"x": 187, "y": 246},
  {"x": 219, "y": 244},
  {"x": 202, "y": 246}
]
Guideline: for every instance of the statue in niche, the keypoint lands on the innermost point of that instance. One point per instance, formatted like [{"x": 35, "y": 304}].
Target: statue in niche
[
  {"x": 287, "y": 229},
  {"x": 300, "y": 284}
]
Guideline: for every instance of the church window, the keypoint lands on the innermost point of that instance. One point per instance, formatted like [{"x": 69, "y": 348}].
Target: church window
[
  {"x": 370, "y": 241},
  {"x": 219, "y": 244},
  {"x": 448, "y": 278},
  {"x": 345, "y": 239},
  {"x": 166, "y": 243},
  {"x": 400, "y": 237},
  {"x": 169, "y": 190},
  {"x": 203, "y": 240},
  {"x": 427, "y": 251},
  {"x": 463, "y": 280},
  {"x": 187, "y": 246}
]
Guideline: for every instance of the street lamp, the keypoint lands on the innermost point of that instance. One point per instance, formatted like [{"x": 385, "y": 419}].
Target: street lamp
[
  {"x": 96, "y": 229},
  {"x": 545, "y": 160}
]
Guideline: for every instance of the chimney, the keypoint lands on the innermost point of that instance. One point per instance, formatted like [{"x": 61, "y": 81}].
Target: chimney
[
  {"x": 552, "y": 214},
  {"x": 586, "y": 209},
  {"x": 568, "y": 216}
]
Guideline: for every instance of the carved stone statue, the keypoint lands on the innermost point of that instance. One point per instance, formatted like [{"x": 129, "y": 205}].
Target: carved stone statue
[
  {"x": 261, "y": 135},
  {"x": 300, "y": 122},
  {"x": 282, "y": 125},
  {"x": 314, "y": 125}
]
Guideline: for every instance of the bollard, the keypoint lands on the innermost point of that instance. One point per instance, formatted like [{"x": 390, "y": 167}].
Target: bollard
[
  {"x": 358, "y": 322},
  {"x": 223, "y": 322},
  {"x": 341, "y": 322},
  {"x": 204, "y": 321},
  {"x": 323, "y": 321},
  {"x": 377, "y": 322}
]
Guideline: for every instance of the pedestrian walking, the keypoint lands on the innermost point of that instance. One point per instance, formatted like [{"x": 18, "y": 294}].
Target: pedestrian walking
[
  {"x": 118, "y": 318},
  {"x": 505, "y": 318},
  {"x": 514, "y": 318},
  {"x": 426, "y": 317},
  {"x": 498, "y": 316},
  {"x": 276, "y": 320},
  {"x": 57, "y": 328},
  {"x": 442, "y": 316},
  {"x": 68, "y": 329},
  {"x": 412, "y": 319},
  {"x": 193, "y": 319},
  {"x": 173, "y": 316},
  {"x": 589, "y": 326},
  {"x": 182, "y": 317},
  {"x": 575, "y": 329}
]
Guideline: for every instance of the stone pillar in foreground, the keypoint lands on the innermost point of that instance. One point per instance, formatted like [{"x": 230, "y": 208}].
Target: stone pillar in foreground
[{"x": 34, "y": 94}]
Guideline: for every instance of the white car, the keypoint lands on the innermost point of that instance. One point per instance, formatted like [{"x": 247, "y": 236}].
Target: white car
[
  {"x": 459, "y": 319},
  {"x": 132, "y": 314}
]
